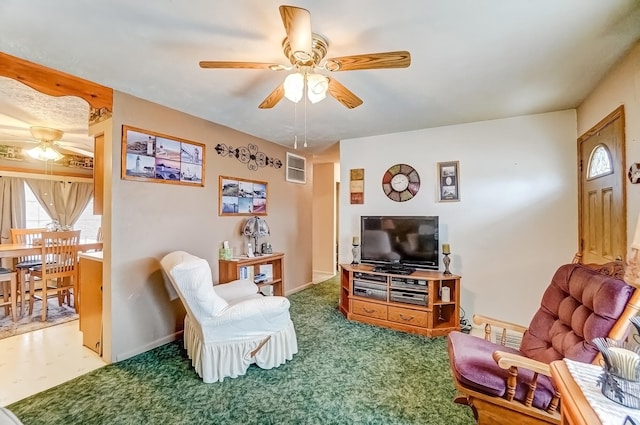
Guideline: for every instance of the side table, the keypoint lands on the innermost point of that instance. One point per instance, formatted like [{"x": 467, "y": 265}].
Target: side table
[
  {"x": 574, "y": 407},
  {"x": 581, "y": 399}
]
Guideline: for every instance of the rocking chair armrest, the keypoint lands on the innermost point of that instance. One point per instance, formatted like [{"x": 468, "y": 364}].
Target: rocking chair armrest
[
  {"x": 486, "y": 320},
  {"x": 508, "y": 360},
  {"x": 511, "y": 362}
]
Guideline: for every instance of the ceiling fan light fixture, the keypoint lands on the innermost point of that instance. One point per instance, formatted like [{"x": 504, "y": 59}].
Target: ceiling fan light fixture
[
  {"x": 294, "y": 87},
  {"x": 46, "y": 133},
  {"x": 317, "y": 86},
  {"x": 44, "y": 152}
]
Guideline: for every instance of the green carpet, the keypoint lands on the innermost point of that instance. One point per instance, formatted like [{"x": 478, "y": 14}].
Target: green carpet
[{"x": 344, "y": 373}]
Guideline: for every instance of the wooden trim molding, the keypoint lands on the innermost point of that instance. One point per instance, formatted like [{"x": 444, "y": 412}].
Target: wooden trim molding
[
  {"x": 57, "y": 83},
  {"x": 22, "y": 172},
  {"x": 617, "y": 113}
]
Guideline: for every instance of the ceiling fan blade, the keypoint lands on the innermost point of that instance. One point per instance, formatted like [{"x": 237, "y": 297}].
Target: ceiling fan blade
[
  {"x": 343, "y": 94},
  {"x": 80, "y": 151},
  {"x": 297, "y": 24},
  {"x": 399, "y": 59},
  {"x": 243, "y": 65},
  {"x": 273, "y": 98}
]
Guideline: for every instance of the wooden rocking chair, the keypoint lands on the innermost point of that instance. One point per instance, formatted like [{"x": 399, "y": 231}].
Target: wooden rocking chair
[{"x": 506, "y": 385}]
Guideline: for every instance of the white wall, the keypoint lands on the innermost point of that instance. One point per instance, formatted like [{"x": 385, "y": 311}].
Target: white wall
[{"x": 517, "y": 218}]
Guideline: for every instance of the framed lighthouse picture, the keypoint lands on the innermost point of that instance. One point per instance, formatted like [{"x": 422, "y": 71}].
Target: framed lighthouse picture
[{"x": 155, "y": 157}]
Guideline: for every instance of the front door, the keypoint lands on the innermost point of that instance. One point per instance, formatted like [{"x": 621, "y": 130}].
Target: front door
[{"x": 603, "y": 213}]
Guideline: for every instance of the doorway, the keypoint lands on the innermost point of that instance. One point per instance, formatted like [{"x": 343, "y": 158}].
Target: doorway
[{"x": 96, "y": 102}]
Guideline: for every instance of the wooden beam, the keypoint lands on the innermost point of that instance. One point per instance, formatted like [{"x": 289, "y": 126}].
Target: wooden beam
[
  {"x": 57, "y": 174},
  {"x": 56, "y": 83}
]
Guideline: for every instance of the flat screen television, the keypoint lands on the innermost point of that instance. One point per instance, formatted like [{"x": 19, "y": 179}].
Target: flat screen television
[{"x": 400, "y": 242}]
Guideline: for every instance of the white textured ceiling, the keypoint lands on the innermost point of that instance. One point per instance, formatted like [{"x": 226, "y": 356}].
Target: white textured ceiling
[
  {"x": 472, "y": 60},
  {"x": 22, "y": 107}
]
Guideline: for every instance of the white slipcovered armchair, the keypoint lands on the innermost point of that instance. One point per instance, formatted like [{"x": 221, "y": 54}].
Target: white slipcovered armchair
[{"x": 229, "y": 326}]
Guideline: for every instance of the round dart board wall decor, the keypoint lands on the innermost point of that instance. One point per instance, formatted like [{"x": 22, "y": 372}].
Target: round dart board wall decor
[{"x": 400, "y": 182}]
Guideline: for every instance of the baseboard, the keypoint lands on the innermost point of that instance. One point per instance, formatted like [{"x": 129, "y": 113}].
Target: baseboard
[
  {"x": 298, "y": 289},
  {"x": 321, "y": 276},
  {"x": 150, "y": 346}
]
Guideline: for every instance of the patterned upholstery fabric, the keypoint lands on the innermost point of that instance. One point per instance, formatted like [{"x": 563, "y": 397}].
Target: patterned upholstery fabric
[{"x": 579, "y": 304}]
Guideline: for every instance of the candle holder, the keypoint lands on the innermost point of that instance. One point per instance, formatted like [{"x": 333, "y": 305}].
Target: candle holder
[
  {"x": 355, "y": 252},
  {"x": 446, "y": 261}
]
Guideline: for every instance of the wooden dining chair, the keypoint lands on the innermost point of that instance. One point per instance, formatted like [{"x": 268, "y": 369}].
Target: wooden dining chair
[
  {"x": 99, "y": 238},
  {"x": 57, "y": 275},
  {"x": 8, "y": 284},
  {"x": 25, "y": 262}
]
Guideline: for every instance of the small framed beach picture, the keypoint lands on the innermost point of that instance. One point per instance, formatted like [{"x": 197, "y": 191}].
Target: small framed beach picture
[{"x": 242, "y": 197}]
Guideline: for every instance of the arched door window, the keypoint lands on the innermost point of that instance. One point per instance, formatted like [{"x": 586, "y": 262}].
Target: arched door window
[{"x": 599, "y": 162}]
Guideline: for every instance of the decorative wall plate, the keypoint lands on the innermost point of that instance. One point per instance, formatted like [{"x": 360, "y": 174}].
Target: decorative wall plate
[
  {"x": 400, "y": 182},
  {"x": 634, "y": 173}
]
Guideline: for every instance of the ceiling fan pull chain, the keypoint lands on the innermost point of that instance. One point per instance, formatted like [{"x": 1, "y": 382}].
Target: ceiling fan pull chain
[
  {"x": 305, "y": 114},
  {"x": 295, "y": 125}
]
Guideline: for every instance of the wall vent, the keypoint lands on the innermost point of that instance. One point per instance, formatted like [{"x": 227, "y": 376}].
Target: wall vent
[{"x": 296, "y": 168}]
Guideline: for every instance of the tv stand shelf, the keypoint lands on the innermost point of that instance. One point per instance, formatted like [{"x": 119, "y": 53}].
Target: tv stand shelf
[{"x": 409, "y": 303}]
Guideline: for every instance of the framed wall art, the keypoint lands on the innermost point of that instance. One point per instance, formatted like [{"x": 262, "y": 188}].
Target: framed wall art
[
  {"x": 448, "y": 181},
  {"x": 356, "y": 185},
  {"x": 242, "y": 197},
  {"x": 154, "y": 157}
]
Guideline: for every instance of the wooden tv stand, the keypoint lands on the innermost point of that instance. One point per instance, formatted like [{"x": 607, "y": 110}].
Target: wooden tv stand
[{"x": 409, "y": 303}]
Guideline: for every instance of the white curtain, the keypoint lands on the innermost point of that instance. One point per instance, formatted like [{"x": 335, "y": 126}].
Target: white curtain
[
  {"x": 12, "y": 206},
  {"x": 77, "y": 200},
  {"x": 64, "y": 202},
  {"x": 12, "y": 209},
  {"x": 49, "y": 195}
]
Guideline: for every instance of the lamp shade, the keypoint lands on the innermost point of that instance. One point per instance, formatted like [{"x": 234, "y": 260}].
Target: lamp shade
[
  {"x": 294, "y": 87},
  {"x": 256, "y": 226},
  {"x": 317, "y": 86}
]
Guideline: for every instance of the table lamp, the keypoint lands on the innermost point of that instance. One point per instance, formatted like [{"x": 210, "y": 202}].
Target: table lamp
[{"x": 255, "y": 228}]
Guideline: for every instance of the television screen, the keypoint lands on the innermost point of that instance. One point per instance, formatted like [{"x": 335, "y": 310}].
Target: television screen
[{"x": 408, "y": 241}]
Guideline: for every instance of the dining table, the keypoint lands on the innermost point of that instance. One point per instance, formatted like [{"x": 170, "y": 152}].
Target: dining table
[{"x": 14, "y": 250}]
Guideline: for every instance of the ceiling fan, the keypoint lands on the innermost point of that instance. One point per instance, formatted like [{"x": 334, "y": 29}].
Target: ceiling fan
[
  {"x": 48, "y": 139},
  {"x": 306, "y": 51}
]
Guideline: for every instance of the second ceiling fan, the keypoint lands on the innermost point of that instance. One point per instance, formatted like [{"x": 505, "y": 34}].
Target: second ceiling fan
[{"x": 306, "y": 51}]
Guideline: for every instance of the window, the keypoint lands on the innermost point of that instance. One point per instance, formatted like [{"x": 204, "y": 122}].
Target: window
[
  {"x": 599, "y": 162},
  {"x": 38, "y": 217}
]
